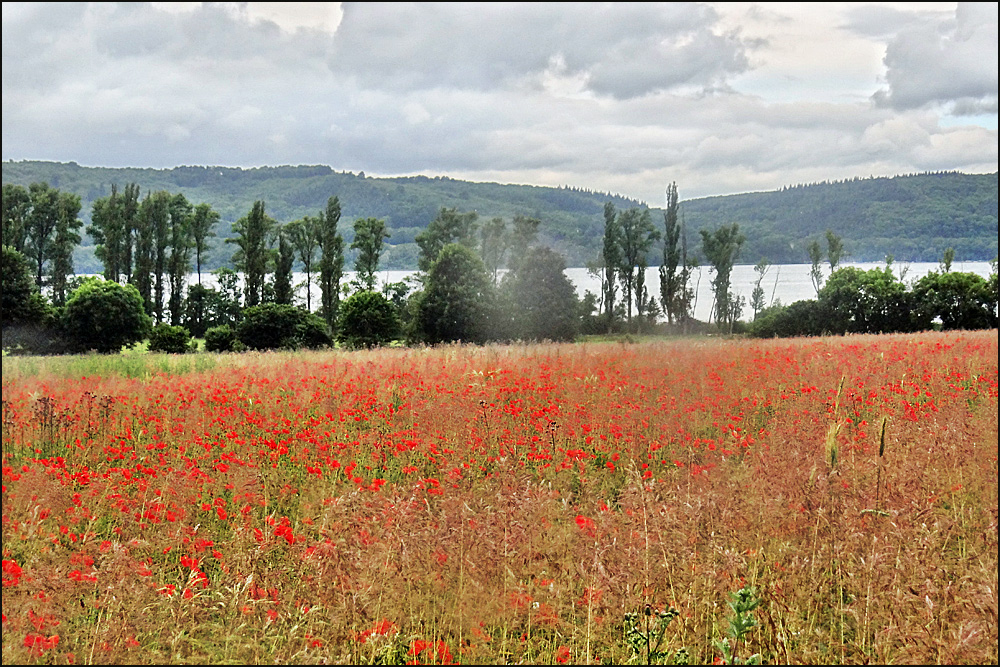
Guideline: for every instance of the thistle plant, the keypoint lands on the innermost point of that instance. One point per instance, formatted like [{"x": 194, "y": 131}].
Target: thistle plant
[
  {"x": 743, "y": 602},
  {"x": 646, "y": 642}
]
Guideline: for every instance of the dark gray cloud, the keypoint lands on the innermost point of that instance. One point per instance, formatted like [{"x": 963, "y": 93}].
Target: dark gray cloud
[{"x": 952, "y": 61}]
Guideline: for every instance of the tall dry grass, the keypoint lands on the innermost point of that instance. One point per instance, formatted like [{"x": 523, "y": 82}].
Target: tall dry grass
[{"x": 507, "y": 503}]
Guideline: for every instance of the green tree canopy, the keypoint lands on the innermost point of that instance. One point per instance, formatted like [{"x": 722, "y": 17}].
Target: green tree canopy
[
  {"x": 544, "y": 302},
  {"x": 103, "y": 315},
  {"x": 457, "y": 301},
  {"x": 722, "y": 248},
  {"x": 959, "y": 300},
  {"x": 367, "y": 319},
  {"x": 859, "y": 301},
  {"x": 369, "y": 240},
  {"x": 448, "y": 227},
  {"x": 255, "y": 233}
]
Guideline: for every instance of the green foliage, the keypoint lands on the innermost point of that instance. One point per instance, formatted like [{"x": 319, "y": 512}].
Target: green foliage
[
  {"x": 283, "y": 290},
  {"x": 104, "y": 316},
  {"x": 915, "y": 216},
  {"x": 112, "y": 228},
  {"x": 28, "y": 320},
  {"x": 272, "y": 326},
  {"x": 202, "y": 225},
  {"x": 304, "y": 237},
  {"x": 170, "y": 339},
  {"x": 331, "y": 263},
  {"x": 644, "y": 634},
  {"x": 369, "y": 240},
  {"x": 367, "y": 319},
  {"x": 179, "y": 261},
  {"x": 722, "y": 249},
  {"x": 16, "y": 205},
  {"x": 959, "y": 300},
  {"x": 20, "y": 300},
  {"x": 802, "y": 318},
  {"x": 542, "y": 301},
  {"x": 673, "y": 278},
  {"x": 493, "y": 244},
  {"x": 448, "y": 227},
  {"x": 254, "y": 235},
  {"x": 457, "y": 301},
  {"x": 859, "y": 301},
  {"x": 742, "y": 603},
  {"x": 222, "y": 339}
]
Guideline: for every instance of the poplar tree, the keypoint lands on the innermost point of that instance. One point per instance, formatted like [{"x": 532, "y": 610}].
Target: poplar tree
[
  {"x": 16, "y": 206},
  {"x": 671, "y": 280},
  {"x": 285, "y": 259},
  {"x": 722, "y": 248},
  {"x": 179, "y": 262},
  {"x": 304, "y": 235},
  {"x": 611, "y": 253},
  {"x": 331, "y": 268},
  {"x": 449, "y": 226},
  {"x": 254, "y": 236},
  {"x": 369, "y": 240},
  {"x": 67, "y": 237},
  {"x": 205, "y": 218},
  {"x": 637, "y": 237},
  {"x": 40, "y": 226},
  {"x": 493, "y": 241}
]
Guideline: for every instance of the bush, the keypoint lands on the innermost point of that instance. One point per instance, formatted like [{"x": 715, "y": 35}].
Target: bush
[
  {"x": 367, "y": 319},
  {"x": 273, "y": 326},
  {"x": 222, "y": 339},
  {"x": 104, "y": 316},
  {"x": 802, "y": 318},
  {"x": 959, "y": 300},
  {"x": 172, "y": 339},
  {"x": 28, "y": 319}
]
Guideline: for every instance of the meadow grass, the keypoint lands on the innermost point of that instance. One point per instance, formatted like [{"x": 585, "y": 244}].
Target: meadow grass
[{"x": 817, "y": 500}]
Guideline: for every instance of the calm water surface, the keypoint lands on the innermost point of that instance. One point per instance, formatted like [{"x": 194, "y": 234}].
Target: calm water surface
[{"x": 786, "y": 283}]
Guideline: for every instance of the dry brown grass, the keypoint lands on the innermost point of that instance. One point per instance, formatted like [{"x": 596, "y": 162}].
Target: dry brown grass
[{"x": 532, "y": 497}]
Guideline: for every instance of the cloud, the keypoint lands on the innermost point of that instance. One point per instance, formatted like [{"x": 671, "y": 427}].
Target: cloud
[
  {"x": 621, "y": 50},
  {"x": 948, "y": 62},
  {"x": 611, "y": 97}
]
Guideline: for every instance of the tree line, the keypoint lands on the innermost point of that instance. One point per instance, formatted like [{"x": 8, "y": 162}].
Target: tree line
[
  {"x": 149, "y": 244},
  {"x": 477, "y": 281}
]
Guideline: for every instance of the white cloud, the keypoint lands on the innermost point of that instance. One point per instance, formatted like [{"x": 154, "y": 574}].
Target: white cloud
[
  {"x": 613, "y": 97},
  {"x": 949, "y": 62}
]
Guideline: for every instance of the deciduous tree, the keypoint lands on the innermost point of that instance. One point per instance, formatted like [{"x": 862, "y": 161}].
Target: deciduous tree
[
  {"x": 255, "y": 233},
  {"x": 369, "y": 240},
  {"x": 449, "y": 226},
  {"x": 331, "y": 266},
  {"x": 457, "y": 301},
  {"x": 722, "y": 248},
  {"x": 304, "y": 235},
  {"x": 205, "y": 218}
]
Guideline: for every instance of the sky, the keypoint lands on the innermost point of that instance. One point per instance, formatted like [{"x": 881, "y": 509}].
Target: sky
[{"x": 719, "y": 98}]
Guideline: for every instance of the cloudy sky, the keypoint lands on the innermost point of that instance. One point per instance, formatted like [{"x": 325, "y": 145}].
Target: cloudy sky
[{"x": 719, "y": 97}]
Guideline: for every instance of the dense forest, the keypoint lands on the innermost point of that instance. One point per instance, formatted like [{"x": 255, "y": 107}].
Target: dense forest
[{"x": 914, "y": 217}]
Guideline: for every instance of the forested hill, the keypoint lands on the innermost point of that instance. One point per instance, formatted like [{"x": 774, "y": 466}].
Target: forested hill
[{"x": 913, "y": 217}]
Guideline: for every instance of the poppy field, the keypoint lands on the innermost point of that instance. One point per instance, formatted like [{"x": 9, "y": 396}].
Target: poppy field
[{"x": 828, "y": 500}]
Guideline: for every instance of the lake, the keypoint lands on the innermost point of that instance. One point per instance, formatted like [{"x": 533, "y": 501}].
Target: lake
[{"x": 785, "y": 282}]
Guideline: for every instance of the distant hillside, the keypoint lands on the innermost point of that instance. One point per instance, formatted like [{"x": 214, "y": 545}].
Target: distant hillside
[{"x": 913, "y": 217}]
